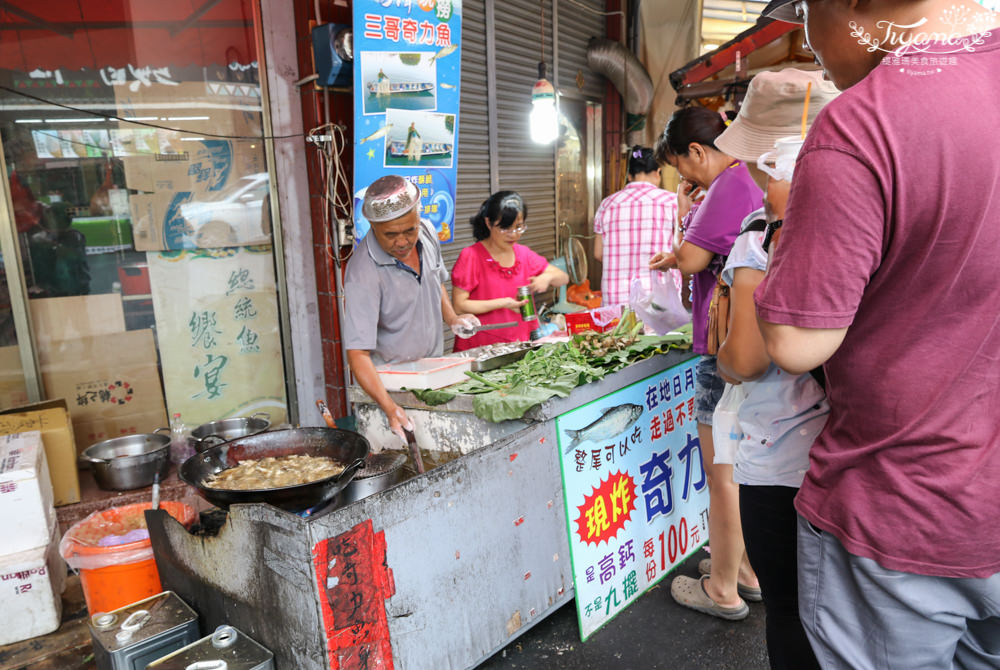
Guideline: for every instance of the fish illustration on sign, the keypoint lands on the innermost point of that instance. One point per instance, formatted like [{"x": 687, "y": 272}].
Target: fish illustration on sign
[
  {"x": 443, "y": 52},
  {"x": 381, "y": 132},
  {"x": 448, "y": 86},
  {"x": 613, "y": 422}
]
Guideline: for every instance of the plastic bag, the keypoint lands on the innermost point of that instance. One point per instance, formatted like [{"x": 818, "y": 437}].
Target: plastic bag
[
  {"x": 116, "y": 536},
  {"x": 604, "y": 316},
  {"x": 659, "y": 307},
  {"x": 726, "y": 430}
]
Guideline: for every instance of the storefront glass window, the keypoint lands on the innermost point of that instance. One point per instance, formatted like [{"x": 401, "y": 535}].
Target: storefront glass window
[
  {"x": 140, "y": 197},
  {"x": 13, "y": 391}
]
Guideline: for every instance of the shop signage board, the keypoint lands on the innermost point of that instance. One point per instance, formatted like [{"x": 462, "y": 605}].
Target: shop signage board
[
  {"x": 407, "y": 72},
  {"x": 217, "y": 328},
  {"x": 635, "y": 491}
]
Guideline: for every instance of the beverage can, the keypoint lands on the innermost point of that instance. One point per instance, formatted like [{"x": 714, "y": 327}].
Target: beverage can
[{"x": 528, "y": 308}]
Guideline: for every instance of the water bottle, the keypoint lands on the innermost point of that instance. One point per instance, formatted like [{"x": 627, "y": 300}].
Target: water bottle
[{"x": 180, "y": 446}]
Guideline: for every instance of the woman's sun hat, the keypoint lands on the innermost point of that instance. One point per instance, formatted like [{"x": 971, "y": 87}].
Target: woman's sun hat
[{"x": 772, "y": 109}]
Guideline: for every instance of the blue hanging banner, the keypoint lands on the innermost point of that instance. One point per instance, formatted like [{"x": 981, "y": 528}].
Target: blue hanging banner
[{"x": 407, "y": 72}]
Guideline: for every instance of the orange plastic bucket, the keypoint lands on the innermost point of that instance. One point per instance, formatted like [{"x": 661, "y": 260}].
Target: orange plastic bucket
[{"x": 124, "y": 572}]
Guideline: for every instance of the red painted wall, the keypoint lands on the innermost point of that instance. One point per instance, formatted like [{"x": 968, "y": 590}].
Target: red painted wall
[{"x": 341, "y": 111}]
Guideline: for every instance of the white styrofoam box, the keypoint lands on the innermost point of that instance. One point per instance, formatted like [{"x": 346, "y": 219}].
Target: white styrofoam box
[
  {"x": 424, "y": 373},
  {"x": 31, "y": 586},
  {"x": 26, "y": 502}
]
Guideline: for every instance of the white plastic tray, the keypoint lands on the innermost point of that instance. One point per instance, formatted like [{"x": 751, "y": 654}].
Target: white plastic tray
[{"x": 425, "y": 373}]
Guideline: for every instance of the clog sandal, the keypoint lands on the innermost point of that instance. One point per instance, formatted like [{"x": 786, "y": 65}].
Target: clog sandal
[
  {"x": 749, "y": 593},
  {"x": 691, "y": 593}
]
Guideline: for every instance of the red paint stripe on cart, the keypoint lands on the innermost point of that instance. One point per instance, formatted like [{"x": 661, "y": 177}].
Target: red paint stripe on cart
[
  {"x": 354, "y": 582},
  {"x": 513, "y": 456}
]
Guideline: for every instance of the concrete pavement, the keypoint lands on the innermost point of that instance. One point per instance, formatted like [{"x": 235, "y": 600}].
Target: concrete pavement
[{"x": 654, "y": 633}]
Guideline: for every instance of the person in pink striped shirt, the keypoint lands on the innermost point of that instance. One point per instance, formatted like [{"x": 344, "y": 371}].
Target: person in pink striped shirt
[{"x": 631, "y": 226}]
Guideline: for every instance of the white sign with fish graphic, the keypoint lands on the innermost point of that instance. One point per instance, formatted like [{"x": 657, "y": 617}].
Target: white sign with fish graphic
[{"x": 635, "y": 491}]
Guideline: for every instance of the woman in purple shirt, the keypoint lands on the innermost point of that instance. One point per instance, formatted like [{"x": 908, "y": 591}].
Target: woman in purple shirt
[{"x": 704, "y": 235}]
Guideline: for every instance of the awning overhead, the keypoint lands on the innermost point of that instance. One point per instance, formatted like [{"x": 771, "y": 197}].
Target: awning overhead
[
  {"x": 98, "y": 34},
  {"x": 767, "y": 45}
]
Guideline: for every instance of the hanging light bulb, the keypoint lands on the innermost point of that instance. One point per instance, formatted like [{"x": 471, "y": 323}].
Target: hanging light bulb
[{"x": 544, "y": 122}]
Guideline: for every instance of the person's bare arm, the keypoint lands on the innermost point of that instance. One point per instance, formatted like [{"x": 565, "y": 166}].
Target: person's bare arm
[
  {"x": 361, "y": 364},
  {"x": 447, "y": 311},
  {"x": 691, "y": 259},
  {"x": 743, "y": 356},
  {"x": 799, "y": 350},
  {"x": 461, "y": 324},
  {"x": 599, "y": 247},
  {"x": 551, "y": 277}
]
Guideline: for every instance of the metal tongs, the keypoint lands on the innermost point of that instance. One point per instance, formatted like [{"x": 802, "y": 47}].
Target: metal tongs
[{"x": 493, "y": 326}]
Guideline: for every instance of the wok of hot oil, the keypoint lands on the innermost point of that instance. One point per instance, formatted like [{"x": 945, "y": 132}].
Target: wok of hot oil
[{"x": 275, "y": 472}]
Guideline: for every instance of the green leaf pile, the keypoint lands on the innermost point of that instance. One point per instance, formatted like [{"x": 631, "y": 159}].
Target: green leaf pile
[{"x": 552, "y": 370}]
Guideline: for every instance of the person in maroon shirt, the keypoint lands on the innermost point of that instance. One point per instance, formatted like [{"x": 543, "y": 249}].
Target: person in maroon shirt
[{"x": 886, "y": 275}]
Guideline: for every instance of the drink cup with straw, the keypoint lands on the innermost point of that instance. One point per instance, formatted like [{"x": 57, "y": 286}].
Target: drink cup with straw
[{"x": 780, "y": 163}]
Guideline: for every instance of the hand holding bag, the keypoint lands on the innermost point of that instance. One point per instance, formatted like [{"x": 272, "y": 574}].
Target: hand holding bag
[{"x": 660, "y": 307}]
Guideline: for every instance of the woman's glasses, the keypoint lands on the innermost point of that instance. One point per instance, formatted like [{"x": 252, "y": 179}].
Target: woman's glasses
[{"x": 513, "y": 230}]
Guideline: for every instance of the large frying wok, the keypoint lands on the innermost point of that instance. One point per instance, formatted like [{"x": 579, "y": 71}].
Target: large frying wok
[{"x": 345, "y": 447}]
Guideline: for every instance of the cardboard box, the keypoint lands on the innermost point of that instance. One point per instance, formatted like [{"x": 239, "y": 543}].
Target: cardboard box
[
  {"x": 221, "y": 108},
  {"x": 601, "y": 319},
  {"x": 159, "y": 172},
  {"x": 27, "y": 515},
  {"x": 13, "y": 391},
  {"x": 205, "y": 166},
  {"x": 224, "y": 206},
  {"x": 33, "y": 582},
  {"x": 198, "y": 191},
  {"x": 51, "y": 418},
  {"x": 105, "y": 428},
  {"x": 56, "y": 319},
  {"x": 174, "y": 160},
  {"x": 111, "y": 384}
]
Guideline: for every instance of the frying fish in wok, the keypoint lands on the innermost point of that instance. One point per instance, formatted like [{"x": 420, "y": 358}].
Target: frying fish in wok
[{"x": 272, "y": 473}]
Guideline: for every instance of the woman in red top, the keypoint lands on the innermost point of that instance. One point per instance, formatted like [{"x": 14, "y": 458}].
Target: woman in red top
[{"x": 487, "y": 274}]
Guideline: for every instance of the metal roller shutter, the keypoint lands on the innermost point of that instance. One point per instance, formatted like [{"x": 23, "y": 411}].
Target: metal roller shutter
[
  {"x": 576, "y": 25},
  {"x": 524, "y": 166},
  {"x": 473, "y": 137},
  {"x": 473, "y": 130}
]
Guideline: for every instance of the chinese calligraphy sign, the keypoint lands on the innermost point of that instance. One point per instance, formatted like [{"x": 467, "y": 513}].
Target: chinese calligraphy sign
[{"x": 636, "y": 502}]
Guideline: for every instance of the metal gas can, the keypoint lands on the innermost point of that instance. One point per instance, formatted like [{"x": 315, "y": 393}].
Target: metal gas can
[
  {"x": 225, "y": 649},
  {"x": 130, "y": 637}
]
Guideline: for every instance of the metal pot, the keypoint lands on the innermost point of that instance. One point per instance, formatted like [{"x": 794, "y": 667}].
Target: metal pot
[
  {"x": 129, "y": 462},
  {"x": 381, "y": 471},
  {"x": 228, "y": 429}
]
